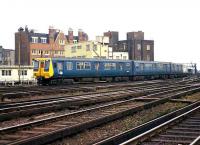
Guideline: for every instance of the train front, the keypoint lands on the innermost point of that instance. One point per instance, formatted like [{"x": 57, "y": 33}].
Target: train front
[{"x": 43, "y": 70}]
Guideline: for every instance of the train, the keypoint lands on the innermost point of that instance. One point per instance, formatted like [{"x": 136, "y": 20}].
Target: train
[{"x": 58, "y": 70}]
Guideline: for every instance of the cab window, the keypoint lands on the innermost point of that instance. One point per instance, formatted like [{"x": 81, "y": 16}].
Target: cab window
[
  {"x": 36, "y": 65},
  {"x": 46, "y": 67}
]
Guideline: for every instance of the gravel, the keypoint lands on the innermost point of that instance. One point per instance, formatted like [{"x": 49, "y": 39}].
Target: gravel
[{"x": 118, "y": 126}]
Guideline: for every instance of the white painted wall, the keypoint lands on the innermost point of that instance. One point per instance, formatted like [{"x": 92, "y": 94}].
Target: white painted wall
[{"x": 14, "y": 77}]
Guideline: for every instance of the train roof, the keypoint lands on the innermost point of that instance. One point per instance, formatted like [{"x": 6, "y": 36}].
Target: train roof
[
  {"x": 111, "y": 60},
  {"x": 87, "y": 59}
]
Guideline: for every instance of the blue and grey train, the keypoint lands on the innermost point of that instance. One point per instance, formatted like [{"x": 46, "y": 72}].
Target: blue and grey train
[{"x": 48, "y": 70}]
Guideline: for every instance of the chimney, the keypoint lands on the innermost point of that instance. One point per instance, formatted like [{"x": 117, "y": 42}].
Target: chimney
[
  {"x": 70, "y": 35},
  {"x": 80, "y": 35},
  {"x": 52, "y": 32}
]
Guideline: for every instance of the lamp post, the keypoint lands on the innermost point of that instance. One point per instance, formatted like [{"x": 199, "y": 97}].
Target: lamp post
[{"x": 19, "y": 55}]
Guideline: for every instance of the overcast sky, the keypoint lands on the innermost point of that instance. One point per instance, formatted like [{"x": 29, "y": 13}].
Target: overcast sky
[{"x": 173, "y": 24}]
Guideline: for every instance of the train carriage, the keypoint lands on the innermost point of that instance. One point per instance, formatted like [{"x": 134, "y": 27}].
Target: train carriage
[
  {"x": 63, "y": 68},
  {"x": 146, "y": 68},
  {"x": 59, "y": 69}
]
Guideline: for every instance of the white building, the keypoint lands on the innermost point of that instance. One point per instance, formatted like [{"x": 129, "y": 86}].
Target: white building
[
  {"x": 117, "y": 55},
  {"x": 12, "y": 74}
]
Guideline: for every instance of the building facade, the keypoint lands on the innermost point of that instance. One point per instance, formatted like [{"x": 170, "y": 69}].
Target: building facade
[
  {"x": 7, "y": 56},
  {"x": 113, "y": 37},
  {"x": 30, "y": 45},
  {"x": 135, "y": 45},
  {"x": 87, "y": 49}
]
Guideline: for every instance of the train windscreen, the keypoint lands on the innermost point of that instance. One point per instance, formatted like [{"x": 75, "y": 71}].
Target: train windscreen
[
  {"x": 36, "y": 65},
  {"x": 46, "y": 66}
]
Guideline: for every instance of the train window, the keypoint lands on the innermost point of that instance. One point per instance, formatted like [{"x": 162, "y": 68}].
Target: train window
[
  {"x": 79, "y": 65},
  {"x": 106, "y": 66},
  {"x": 55, "y": 65},
  {"x": 142, "y": 66},
  {"x": 148, "y": 65},
  {"x": 87, "y": 65},
  {"x": 154, "y": 66},
  {"x": 42, "y": 64},
  {"x": 137, "y": 66},
  {"x": 113, "y": 66},
  {"x": 69, "y": 65},
  {"x": 60, "y": 66},
  {"x": 128, "y": 64},
  {"x": 36, "y": 65},
  {"x": 110, "y": 66},
  {"x": 47, "y": 63}
]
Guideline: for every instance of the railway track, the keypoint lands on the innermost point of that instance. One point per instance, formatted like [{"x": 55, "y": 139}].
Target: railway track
[
  {"x": 24, "y": 93},
  {"x": 30, "y": 92},
  {"x": 35, "y": 107},
  {"x": 46, "y": 130},
  {"x": 181, "y": 127}
]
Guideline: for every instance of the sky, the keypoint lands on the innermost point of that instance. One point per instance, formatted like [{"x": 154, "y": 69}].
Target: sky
[{"x": 174, "y": 25}]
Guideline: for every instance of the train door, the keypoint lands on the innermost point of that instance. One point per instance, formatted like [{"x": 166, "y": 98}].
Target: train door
[
  {"x": 60, "y": 68},
  {"x": 97, "y": 68}
]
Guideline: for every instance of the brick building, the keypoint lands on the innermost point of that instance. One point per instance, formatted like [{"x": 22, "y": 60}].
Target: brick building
[
  {"x": 7, "y": 56},
  {"x": 113, "y": 37},
  {"x": 135, "y": 45},
  {"x": 30, "y": 45}
]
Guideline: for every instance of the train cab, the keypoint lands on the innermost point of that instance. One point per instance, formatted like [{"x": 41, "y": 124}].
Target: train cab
[{"x": 43, "y": 69}]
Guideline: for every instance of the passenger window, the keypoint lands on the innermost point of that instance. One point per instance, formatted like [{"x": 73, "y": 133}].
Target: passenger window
[
  {"x": 79, "y": 65},
  {"x": 69, "y": 66},
  {"x": 87, "y": 66}
]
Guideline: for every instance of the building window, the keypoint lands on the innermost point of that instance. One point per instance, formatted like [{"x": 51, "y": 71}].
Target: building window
[
  {"x": 148, "y": 47},
  {"x": 117, "y": 57},
  {"x": 34, "y": 39},
  {"x": 79, "y": 47},
  {"x": 75, "y": 41},
  {"x": 33, "y": 51},
  {"x": 124, "y": 57},
  {"x": 43, "y": 40},
  {"x": 95, "y": 47},
  {"x": 69, "y": 65},
  {"x": 38, "y": 51},
  {"x": 139, "y": 46},
  {"x": 46, "y": 52},
  {"x": 56, "y": 52},
  {"x": 61, "y": 42},
  {"x": 6, "y": 72},
  {"x": 73, "y": 49},
  {"x": 148, "y": 57},
  {"x": 61, "y": 52},
  {"x": 88, "y": 47},
  {"x": 22, "y": 72}
]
